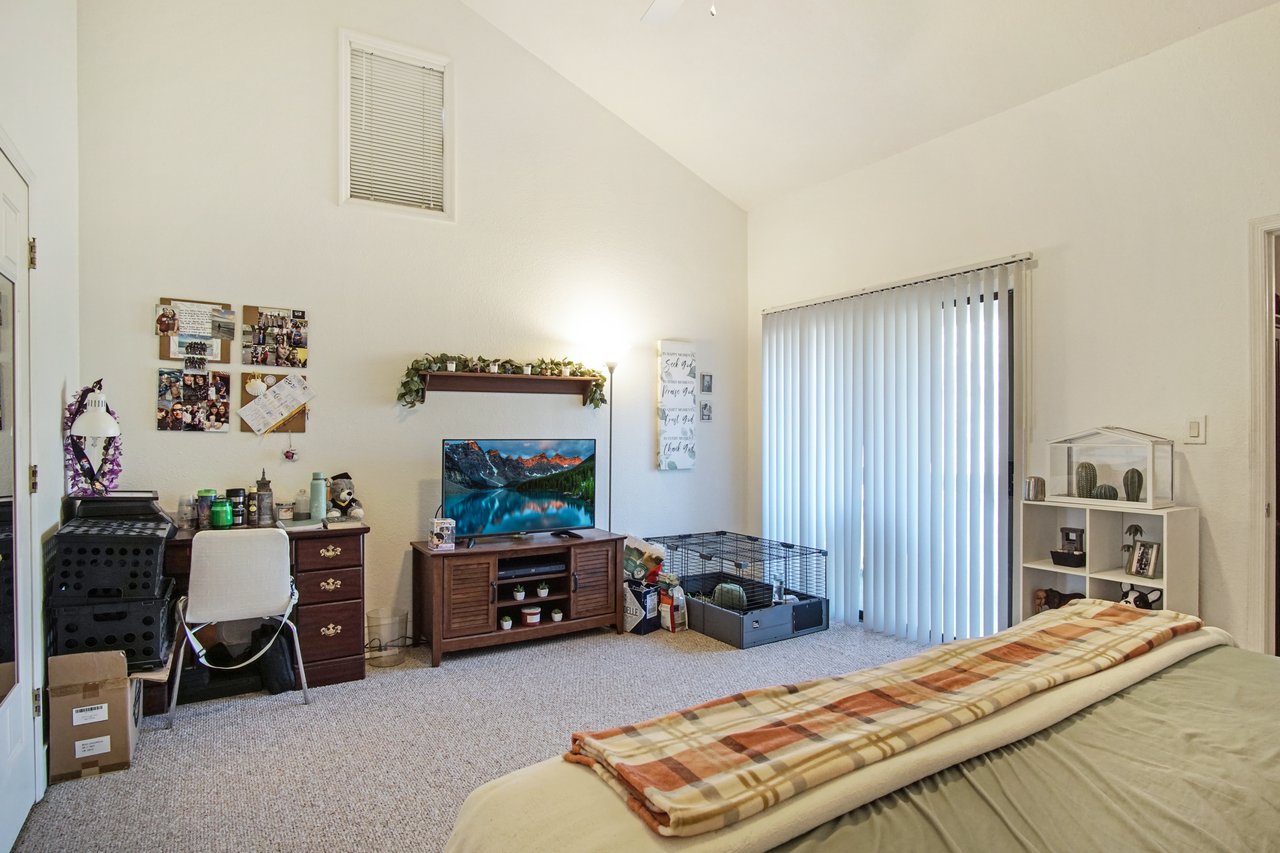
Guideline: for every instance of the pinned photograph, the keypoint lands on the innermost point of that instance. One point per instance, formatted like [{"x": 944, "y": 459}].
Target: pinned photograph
[
  {"x": 193, "y": 402},
  {"x": 274, "y": 337},
  {"x": 166, "y": 320},
  {"x": 706, "y": 411},
  {"x": 706, "y": 383}
]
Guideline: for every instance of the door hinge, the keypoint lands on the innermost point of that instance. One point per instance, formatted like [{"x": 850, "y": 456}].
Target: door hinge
[
  {"x": 35, "y": 479},
  {"x": 31, "y": 253},
  {"x": 37, "y": 702}
]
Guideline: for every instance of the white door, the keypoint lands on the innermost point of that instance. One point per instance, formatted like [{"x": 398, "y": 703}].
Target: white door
[{"x": 21, "y": 777}]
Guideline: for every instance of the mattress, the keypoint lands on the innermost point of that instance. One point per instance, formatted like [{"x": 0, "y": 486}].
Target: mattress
[
  {"x": 1168, "y": 750},
  {"x": 1187, "y": 759}
]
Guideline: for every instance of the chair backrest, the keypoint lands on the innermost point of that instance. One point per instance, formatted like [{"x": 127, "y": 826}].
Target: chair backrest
[{"x": 238, "y": 574}]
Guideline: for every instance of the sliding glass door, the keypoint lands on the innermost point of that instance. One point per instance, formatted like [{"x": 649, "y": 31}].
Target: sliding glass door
[{"x": 886, "y": 441}]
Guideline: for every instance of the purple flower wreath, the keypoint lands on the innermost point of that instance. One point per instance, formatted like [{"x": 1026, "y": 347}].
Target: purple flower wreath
[{"x": 85, "y": 479}]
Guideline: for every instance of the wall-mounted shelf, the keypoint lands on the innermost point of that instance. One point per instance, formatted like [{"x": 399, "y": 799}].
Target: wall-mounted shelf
[{"x": 506, "y": 383}]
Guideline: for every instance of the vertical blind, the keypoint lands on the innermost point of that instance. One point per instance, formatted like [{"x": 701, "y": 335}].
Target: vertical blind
[
  {"x": 886, "y": 441},
  {"x": 397, "y": 131}
]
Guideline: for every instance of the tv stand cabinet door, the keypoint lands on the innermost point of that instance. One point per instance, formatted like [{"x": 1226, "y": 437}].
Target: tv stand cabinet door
[
  {"x": 592, "y": 580},
  {"x": 469, "y": 590}
]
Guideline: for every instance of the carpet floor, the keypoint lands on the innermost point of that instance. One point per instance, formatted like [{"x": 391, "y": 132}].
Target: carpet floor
[{"x": 385, "y": 763}]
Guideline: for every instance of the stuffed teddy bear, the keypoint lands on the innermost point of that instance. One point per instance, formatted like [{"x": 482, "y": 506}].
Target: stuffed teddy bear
[
  {"x": 1134, "y": 597},
  {"x": 343, "y": 503}
]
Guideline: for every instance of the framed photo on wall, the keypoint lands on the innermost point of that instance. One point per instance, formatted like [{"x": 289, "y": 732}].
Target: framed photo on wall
[{"x": 706, "y": 383}]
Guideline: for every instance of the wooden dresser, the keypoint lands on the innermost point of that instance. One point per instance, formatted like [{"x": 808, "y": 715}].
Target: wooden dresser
[{"x": 328, "y": 568}]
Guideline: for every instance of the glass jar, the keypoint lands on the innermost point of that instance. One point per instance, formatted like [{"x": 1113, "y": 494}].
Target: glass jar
[
  {"x": 302, "y": 505},
  {"x": 186, "y": 512},
  {"x": 220, "y": 514}
]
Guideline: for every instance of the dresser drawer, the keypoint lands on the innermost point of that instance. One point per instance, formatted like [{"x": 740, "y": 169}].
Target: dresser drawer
[
  {"x": 329, "y": 552},
  {"x": 333, "y": 671},
  {"x": 329, "y": 631},
  {"x": 322, "y": 587}
]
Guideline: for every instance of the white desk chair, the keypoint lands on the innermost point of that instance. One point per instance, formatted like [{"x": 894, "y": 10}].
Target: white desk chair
[{"x": 237, "y": 574}]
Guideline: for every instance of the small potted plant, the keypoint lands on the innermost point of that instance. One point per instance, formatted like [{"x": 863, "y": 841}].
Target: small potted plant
[
  {"x": 1133, "y": 531},
  {"x": 557, "y": 615},
  {"x": 505, "y": 623},
  {"x": 518, "y": 592},
  {"x": 543, "y": 590}
]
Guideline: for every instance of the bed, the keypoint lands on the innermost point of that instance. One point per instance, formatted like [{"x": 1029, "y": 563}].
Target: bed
[{"x": 1176, "y": 749}]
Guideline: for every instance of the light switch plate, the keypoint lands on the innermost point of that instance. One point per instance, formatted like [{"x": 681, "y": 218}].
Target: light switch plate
[{"x": 1197, "y": 430}]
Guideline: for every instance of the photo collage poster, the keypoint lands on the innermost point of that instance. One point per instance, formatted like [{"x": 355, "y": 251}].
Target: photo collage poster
[
  {"x": 274, "y": 337},
  {"x": 677, "y": 405},
  {"x": 188, "y": 401}
]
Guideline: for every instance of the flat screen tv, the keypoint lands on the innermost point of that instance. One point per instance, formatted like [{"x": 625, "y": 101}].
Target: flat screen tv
[{"x": 503, "y": 487}]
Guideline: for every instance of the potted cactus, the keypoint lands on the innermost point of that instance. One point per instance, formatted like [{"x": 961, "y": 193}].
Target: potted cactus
[
  {"x": 505, "y": 623},
  {"x": 543, "y": 590},
  {"x": 557, "y": 615},
  {"x": 518, "y": 592}
]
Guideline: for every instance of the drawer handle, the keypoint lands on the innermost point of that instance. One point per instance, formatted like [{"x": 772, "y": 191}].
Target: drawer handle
[
  {"x": 330, "y": 551},
  {"x": 331, "y": 630},
  {"x": 330, "y": 585}
]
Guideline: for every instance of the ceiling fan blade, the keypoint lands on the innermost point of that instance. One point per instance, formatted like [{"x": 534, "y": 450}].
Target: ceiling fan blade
[{"x": 661, "y": 11}]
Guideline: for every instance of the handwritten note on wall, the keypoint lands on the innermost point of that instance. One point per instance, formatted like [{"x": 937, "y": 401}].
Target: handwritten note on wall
[{"x": 677, "y": 405}]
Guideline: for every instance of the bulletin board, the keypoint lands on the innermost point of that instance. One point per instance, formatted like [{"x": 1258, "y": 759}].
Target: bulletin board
[
  {"x": 297, "y": 423},
  {"x": 171, "y": 346}
]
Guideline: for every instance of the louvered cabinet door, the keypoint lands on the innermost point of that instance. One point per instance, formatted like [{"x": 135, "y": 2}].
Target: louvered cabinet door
[
  {"x": 469, "y": 606},
  {"x": 591, "y": 593}
]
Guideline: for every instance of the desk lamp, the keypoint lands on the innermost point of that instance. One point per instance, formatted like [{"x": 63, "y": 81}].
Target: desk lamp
[{"x": 90, "y": 419}]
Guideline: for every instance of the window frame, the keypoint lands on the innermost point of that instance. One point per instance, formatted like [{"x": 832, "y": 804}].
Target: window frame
[{"x": 347, "y": 39}]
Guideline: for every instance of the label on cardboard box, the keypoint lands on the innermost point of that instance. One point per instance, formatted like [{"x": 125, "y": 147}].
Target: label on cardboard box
[
  {"x": 93, "y": 746},
  {"x": 89, "y": 714}
]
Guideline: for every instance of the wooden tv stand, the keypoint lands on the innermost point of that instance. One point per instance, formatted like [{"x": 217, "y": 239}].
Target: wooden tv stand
[{"x": 458, "y": 595}]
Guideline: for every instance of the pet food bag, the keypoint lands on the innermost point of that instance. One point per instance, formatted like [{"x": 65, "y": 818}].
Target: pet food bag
[{"x": 672, "y": 610}]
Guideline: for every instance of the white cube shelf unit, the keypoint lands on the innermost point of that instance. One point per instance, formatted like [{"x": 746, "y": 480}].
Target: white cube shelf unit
[{"x": 1176, "y": 528}]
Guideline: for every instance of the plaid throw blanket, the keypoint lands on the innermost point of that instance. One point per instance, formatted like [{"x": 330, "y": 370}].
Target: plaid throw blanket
[{"x": 706, "y": 767}]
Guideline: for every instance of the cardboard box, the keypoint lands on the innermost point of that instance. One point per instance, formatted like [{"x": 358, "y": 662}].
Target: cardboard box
[
  {"x": 640, "y": 607},
  {"x": 94, "y": 709}
]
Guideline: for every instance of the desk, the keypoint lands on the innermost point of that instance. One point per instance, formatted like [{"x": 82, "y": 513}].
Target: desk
[{"x": 328, "y": 568}]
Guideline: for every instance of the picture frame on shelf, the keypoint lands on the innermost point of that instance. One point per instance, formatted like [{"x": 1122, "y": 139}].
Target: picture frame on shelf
[{"x": 1144, "y": 560}]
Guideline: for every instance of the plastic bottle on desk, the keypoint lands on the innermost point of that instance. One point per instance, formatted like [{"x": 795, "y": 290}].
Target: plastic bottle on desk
[{"x": 319, "y": 496}]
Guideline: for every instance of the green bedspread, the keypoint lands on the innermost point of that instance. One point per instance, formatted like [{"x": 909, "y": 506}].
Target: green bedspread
[{"x": 1188, "y": 759}]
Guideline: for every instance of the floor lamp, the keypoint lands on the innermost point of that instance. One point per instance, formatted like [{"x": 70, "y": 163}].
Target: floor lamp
[{"x": 611, "y": 365}]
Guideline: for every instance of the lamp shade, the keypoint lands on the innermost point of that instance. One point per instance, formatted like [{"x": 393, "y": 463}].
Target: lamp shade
[{"x": 94, "y": 421}]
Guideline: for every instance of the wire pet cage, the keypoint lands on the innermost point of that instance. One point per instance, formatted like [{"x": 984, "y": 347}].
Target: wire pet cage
[{"x": 745, "y": 590}]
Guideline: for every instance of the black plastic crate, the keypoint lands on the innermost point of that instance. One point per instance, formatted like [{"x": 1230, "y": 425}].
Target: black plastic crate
[
  {"x": 92, "y": 559},
  {"x": 139, "y": 627}
]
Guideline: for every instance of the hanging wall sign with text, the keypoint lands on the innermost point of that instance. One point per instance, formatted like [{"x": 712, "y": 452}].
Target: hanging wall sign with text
[{"x": 677, "y": 405}]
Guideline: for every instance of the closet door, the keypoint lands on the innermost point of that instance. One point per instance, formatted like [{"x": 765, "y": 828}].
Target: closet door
[{"x": 20, "y": 776}]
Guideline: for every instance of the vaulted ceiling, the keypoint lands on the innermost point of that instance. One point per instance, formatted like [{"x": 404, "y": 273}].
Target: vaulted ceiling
[{"x": 769, "y": 96}]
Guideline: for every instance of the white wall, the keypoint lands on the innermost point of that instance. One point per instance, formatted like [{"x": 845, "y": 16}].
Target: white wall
[
  {"x": 38, "y": 113},
  {"x": 209, "y": 145},
  {"x": 1134, "y": 189}
]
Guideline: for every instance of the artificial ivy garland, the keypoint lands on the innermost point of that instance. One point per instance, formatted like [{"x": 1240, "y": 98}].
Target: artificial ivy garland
[
  {"x": 411, "y": 385},
  {"x": 85, "y": 478}
]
